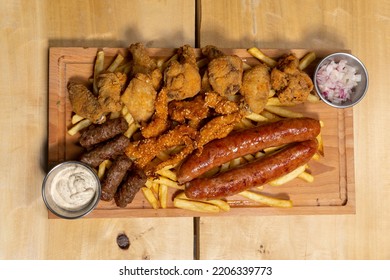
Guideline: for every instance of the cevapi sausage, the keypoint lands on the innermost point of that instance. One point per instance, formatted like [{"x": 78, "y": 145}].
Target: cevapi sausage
[
  {"x": 96, "y": 134},
  {"x": 248, "y": 141},
  {"x": 114, "y": 177},
  {"x": 256, "y": 173},
  {"x": 135, "y": 180},
  {"x": 109, "y": 150}
]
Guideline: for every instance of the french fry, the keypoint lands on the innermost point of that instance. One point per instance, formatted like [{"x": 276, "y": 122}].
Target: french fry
[
  {"x": 99, "y": 65},
  {"x": 271, "y": 93},
  {"x": 306, "y": 60},
  {"x": 288, "y": 177},
  {"x": 79, "y": 126},
  {"x": 211, "y": 172},
  {"x": 256, "y": 117},
  {"x": 149, "y": 182},
  {"x": 306, "y": 177},
  {"x": 103, "y": 167},
  {"x": 313, "y": 98},
  {"x": 195, "y": 206},
  {"x": 224, "y": 167},
  {"x": 150, "y": 197},
  {"x": 202, "y": 62},
  {"x": 262, "y": 57},
  {"x": 249, "y": 157},
  {"x": 222, "y": 204},
  {"x": 267, "y": 200},
  {"x": 76, "y": 118},
  {"x": 163, "y": 195},
  {"x": 163, "y": 156},
  {"x": 246, "y": 66},
  {"x": 270, "y": 116},
  {"x": 283, "y": 112},
  {"x": 115, "y": 115},
  {"x": 131, "y": 130},
  {"x": 114, "y": 65},
  {"x": 167, "y": 173},
  {"x": 320, "y": 140},
  {"x": 168, "y": 182},
  {"x": 274, "y": 101}
]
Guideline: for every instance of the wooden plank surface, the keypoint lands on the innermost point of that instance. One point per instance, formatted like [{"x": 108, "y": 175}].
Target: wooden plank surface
[
  {"x": 331, "y": 192},
  {"x": 362, "y": 27},
  {"x": 27, "y": 30}
]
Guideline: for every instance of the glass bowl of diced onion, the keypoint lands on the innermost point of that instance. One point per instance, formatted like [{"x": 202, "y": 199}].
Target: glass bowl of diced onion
[{"x": 341, "y": 80}]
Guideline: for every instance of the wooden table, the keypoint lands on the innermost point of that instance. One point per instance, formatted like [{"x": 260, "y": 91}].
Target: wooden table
[{"x": 29, "y": 28}]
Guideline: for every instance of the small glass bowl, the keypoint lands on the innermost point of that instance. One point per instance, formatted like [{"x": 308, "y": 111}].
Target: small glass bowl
[{"x": 61, "y": 211}]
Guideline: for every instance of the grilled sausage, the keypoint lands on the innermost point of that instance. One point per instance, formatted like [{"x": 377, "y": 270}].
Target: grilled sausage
[
  {"x": 135, "y": 180},
  {"x": 96, "y": 134},
  {"x": 109, "y": 150},
  {"x": 245, "y": 142},
  {"x": 114, "y": 177},
  {"x": 258, "y": 172}
]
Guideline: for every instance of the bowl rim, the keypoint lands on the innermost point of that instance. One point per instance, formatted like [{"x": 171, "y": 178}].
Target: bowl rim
[
  {"x": 365, "y": 72},
  {"x": 87, "y": 210}
]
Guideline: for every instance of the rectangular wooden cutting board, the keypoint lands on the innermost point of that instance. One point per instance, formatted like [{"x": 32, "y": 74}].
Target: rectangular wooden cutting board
[{"x": 333, "y": 189}]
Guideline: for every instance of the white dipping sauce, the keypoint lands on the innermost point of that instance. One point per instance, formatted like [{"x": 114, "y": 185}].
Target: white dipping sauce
[{"x": 73, "y": 187}]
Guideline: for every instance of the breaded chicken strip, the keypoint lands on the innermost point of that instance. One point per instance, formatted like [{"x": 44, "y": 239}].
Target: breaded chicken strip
[
  {"x": 290, "y": 83},
  {"x": 160, "y": 122},
  {"x": 143, "y": 152},
  {"x": 224, "y": 71},
  {"x": 193, "y": 111},
  {"x": 255, "y": 88},
  {"x": 217, "y": 128}
]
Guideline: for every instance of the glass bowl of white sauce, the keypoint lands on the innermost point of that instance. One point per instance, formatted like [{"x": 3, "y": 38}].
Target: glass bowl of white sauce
[{"x": 71, "y": 189}]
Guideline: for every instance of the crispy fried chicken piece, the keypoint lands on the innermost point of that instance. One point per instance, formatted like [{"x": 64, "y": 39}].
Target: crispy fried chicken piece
[
  {"x": 217, "y": 128},
  {"x": 160, "y": 122},
  {"x": 85, "y": 104},
  {"x": 224, "y": 71},
  {"x": 181, "y": 77},
  {"x": 143, "y": 63},
  {"x": 255, "y": 88},
  {"x": 193, "y": 111},
  {"x": 221, "y": 104},
  {"x": 139, "y": 97},
  {"x": 110, "y": 86},
  {"x": 144, "y": 151},
  {"x": 290, "y": 83}
]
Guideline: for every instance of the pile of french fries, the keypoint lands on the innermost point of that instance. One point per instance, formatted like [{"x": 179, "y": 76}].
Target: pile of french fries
[{"x": 158, "y": 189}]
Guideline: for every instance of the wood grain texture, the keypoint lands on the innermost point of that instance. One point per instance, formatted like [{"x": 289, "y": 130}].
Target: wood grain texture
[
  {"x": 27, "y": 29},
  {"x": 363, "y": 27}
]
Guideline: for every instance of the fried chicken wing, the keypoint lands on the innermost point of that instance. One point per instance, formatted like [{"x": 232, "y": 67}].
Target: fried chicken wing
[
  {"x": 143, "y": 152},
  {"x": 110, "y": 86},
  {"x": 139, "y": 97},
  {"x": 160, "y": 122},
  {"x": 181, "y": 77},
  {"x": 255, "y": 88},
  {"x": 85, "y": 104},
  {"x": 193, "y": 111},
  {"x": 290, "y": 83},
  {"x": 224, "y": 71},
  {"x": 143, "y": 63}
]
